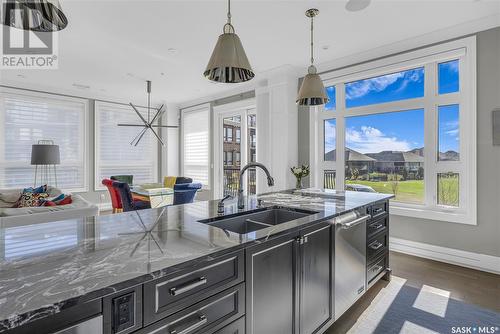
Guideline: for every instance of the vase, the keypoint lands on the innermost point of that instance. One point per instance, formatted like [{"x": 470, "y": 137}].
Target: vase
[{"x": 298, "y": 183}]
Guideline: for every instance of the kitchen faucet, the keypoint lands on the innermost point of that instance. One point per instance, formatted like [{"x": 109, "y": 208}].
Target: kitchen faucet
[{"x": 270, "y": 181}]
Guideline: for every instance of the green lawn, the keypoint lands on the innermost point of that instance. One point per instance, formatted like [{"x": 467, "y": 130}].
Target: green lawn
[
  {"x": 407, "y": 191},
  {"x": 413, "y": 191}
]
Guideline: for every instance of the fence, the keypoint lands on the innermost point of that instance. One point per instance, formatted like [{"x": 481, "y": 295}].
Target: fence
[{"x": 231, "y": 180}]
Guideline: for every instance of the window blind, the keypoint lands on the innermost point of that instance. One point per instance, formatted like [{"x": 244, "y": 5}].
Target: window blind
[
  {"x": 114, "y": 154},
  {"x": 195, "y": 130},
  {"x": 26, "y": 118}
]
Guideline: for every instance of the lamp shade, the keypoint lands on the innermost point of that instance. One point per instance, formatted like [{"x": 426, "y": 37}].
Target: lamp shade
[
  {"x": 312, "y": 91},
  {"x": 229, "y": 62},
  {"x": 45, "y": 154},
  {"x": 34, "y": 15}
]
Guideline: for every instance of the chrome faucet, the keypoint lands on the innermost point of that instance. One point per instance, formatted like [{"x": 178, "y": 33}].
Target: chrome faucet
[{"x": 270, "y": 181}]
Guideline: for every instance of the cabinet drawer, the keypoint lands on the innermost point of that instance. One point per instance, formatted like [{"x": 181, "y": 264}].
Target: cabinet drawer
[
  {"x": 206, "y": 316},
  {"x": 376, "y": 268},
  {"x": 379, "y": 209},
  {"x": 170, "y": 294},
  {"x": 376, "y": 226},
  {"x": 236, "y": 327},
  {"x": 376, "y": 246}
]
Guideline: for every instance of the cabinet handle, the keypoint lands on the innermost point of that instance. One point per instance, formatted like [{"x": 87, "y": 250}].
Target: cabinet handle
[
  {"x": 375, "y": 245},
  {"x": 377, "y": 226},
  {"x": 354, "y": 222},
  {"x": 175, "y": 291},
  {"x": 378, "y": 210},
  {"x": 201, "y": 320}
]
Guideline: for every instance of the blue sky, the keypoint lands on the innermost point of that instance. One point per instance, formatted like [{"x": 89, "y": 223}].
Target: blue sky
[{"x": 397, "y": 131}]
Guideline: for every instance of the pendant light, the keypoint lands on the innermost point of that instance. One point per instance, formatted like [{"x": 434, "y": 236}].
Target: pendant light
[
  {"x": 34, "y": 15},
  {"x": 312, "y": 91},
  {"x": 229, "y": 63}
]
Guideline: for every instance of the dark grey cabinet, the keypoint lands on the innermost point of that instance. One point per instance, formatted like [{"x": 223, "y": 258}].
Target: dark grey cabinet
[
  {"x": 316, "y": 278},
  {"x": 271, "y": 277},
  {"x": 290, "y": 283}
]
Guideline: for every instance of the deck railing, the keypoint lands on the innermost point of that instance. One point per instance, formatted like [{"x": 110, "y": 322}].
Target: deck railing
[{"x": 231, "y": 180}]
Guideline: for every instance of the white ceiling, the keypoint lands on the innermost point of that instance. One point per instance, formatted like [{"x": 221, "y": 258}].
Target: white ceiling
[{"x": 112, "y": 46}]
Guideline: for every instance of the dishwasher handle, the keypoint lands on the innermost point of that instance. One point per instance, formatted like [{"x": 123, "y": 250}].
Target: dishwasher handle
[{"x": 354, "y": 222}]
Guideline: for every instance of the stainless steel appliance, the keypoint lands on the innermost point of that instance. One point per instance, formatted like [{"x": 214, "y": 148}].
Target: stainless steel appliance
[
  {"x": 350, "y": 259},
  {"x": 92, "y": 325}
]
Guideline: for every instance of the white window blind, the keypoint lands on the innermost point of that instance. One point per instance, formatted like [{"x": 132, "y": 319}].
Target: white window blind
[
  {"x": 26, "y": 118},
  {"x": 114, "y": 154},
  {"x": 195, "y": 143}
]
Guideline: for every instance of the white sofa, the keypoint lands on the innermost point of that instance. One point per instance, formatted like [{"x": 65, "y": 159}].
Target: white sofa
[{"x": 13, "y": 216}]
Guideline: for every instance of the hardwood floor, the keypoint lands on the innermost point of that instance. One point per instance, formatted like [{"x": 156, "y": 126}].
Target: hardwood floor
[{"x": 466, "y": 286}]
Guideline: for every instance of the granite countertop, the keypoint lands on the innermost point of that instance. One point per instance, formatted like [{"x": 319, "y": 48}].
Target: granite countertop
[{"x": 47, "y": 267}]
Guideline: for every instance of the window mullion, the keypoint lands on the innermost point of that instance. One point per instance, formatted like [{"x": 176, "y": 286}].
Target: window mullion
[
  {"x": 340, "y": 137},
  {"x": 430, "y": 131}
]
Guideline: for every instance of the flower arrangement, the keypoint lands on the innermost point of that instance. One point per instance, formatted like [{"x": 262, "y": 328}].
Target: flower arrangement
[{"x": 300, "y": 173}]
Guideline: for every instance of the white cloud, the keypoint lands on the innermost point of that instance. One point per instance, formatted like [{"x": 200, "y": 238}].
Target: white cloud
[
  {"x": 361, "y": 88},
  {"x": 451, "y": 66},
  {"x": 451, "y": 128},
  {"x": 330, "y": 136},
  {"x": 371, "y": 140}
]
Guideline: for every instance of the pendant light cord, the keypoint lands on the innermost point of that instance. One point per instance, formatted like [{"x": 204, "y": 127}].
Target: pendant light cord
[
  {"x": 228, "y": 25},
  {"x": 312, "y": 45}
]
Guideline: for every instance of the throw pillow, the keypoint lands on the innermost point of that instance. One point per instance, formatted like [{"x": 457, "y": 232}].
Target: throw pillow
[
  {"x": 30, "y": 199},
  {"x": 37, "y": 190},
  {"x": 53, "y": 199},
  {"x": 66, "y": 200}
]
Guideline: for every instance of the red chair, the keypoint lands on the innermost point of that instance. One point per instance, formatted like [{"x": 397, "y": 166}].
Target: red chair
[{"x": 116, "y": 200}]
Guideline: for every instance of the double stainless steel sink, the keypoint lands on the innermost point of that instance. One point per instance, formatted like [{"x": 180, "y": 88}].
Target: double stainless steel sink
[{"x": 247, "y": 222}]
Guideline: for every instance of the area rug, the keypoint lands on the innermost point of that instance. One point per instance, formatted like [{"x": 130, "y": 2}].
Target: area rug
[{"x": 400, "y": 308}]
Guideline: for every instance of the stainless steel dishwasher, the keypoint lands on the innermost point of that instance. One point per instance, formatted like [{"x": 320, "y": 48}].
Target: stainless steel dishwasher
[{"x": 350, "y": 259}]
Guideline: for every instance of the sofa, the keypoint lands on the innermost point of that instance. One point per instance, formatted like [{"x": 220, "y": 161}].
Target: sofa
[{"x": 21, "y": 216}]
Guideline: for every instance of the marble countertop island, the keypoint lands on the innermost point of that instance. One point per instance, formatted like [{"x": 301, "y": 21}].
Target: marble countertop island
[{"x": 48, "y": 267}]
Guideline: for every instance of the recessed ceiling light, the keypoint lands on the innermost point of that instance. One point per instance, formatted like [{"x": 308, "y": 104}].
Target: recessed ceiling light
[
  {"x": 162, "y": 73},
  {"x": 172, "y": 51},
  {"x": 325, "y": 47},
  {"x": 22, "y": 76},
  {"x": 357, "y": 5},
  {"x": 80, "y": 86}
]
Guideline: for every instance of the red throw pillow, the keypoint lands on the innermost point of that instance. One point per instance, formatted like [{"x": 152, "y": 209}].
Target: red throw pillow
[
  {"x": 66, "y": 200},
  {"x": 49, "y": 203}
]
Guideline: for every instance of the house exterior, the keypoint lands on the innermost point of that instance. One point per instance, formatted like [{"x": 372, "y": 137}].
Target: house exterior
[
  {"x": 396, "y": 162},
  {"x": 386, "y": 162}
]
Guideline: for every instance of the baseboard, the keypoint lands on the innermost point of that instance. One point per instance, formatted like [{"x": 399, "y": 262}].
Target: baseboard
[
  {"x": 105, "y": 206},
  {"x": 458, "y": 257}
]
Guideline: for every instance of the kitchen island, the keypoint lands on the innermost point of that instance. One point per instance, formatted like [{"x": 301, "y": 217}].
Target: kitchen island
[{"x": 162, "y": 270}]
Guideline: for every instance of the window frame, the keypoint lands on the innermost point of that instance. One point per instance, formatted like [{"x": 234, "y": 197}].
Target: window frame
[
  {"x": 202, "y": 107},
  {"x": 85, "y": 128},
  {"x": 428, "y": 57},
  {"x": 98, "y": 186}
]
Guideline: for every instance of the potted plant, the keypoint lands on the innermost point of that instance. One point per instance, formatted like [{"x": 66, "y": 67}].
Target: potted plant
[{"x": 300, "y": 173}]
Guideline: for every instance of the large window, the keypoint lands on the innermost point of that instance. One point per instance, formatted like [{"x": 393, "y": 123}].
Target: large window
[
  {"x": 403, "y": 125},
  {"x": 26, "y": 118},
  {"x": 114, "y": 154},
  {"x": 195, "y": 144}
]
